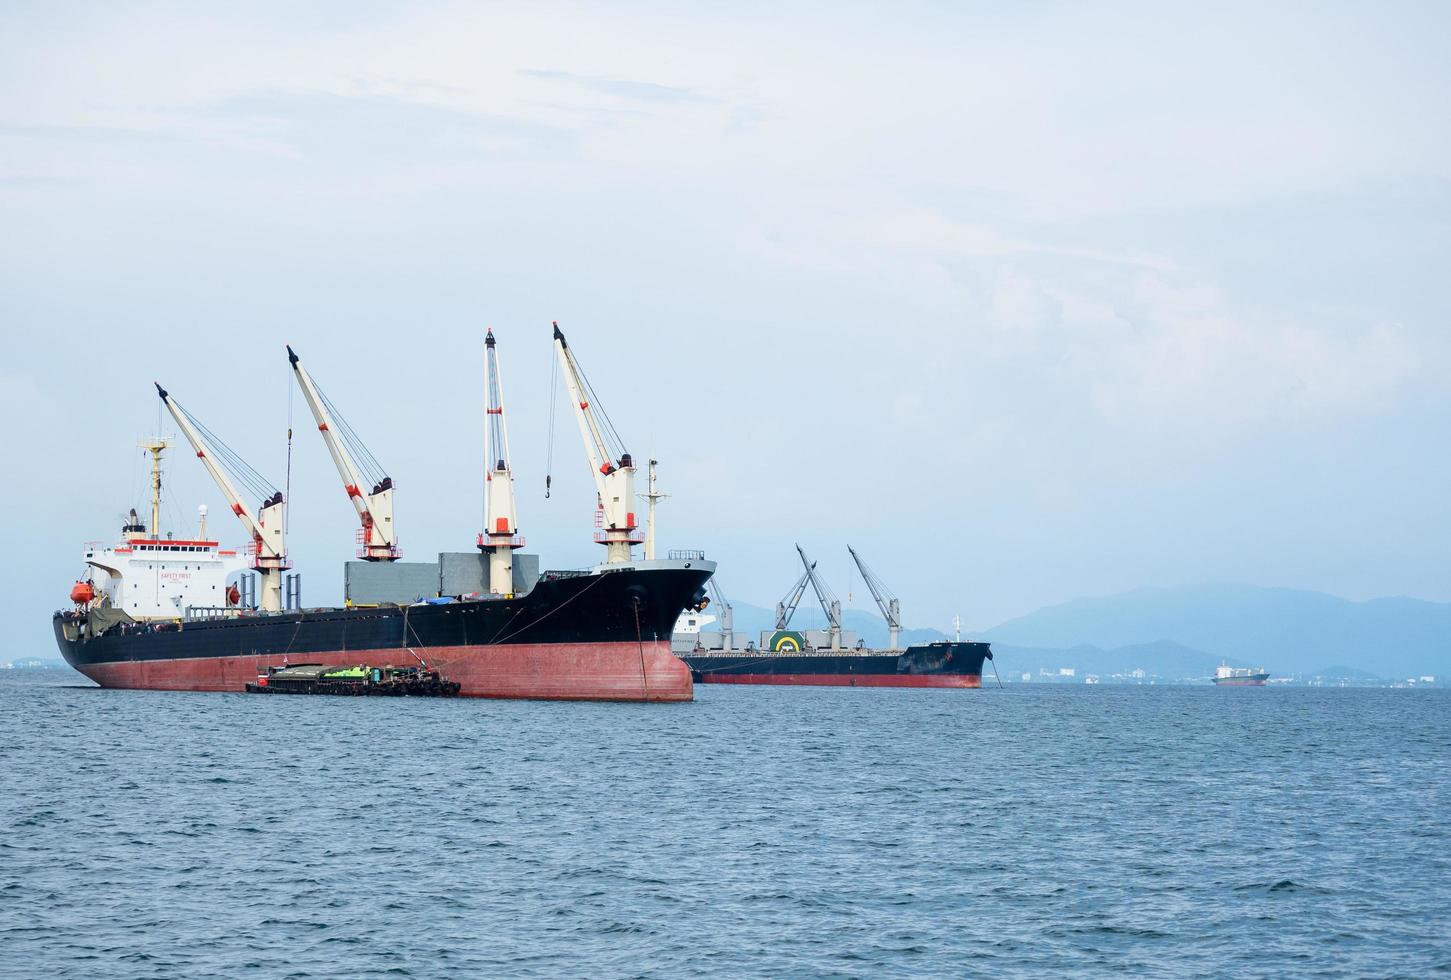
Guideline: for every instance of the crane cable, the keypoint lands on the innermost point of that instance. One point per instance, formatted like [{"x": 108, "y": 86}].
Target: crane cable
[
  {"x": 287, "y": 480},
  {"x": 553, "y": 403}
]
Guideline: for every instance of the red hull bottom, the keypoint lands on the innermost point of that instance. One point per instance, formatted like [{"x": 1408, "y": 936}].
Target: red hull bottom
[
  {"x": 848, "y": 680},
  {"x": 545, "y": 671}
]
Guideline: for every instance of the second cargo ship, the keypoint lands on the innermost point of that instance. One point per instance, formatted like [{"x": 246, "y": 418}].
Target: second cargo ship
[{"x": 830, "y": 658}]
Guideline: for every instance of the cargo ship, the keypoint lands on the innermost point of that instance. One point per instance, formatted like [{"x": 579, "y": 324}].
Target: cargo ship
[
  {"x": 833, "y": 657},
  {"x": 167, "y": 612},
  {"x": 1227, "y": 676}
]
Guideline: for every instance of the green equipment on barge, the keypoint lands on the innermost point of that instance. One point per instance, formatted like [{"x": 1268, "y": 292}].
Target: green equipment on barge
[{"x": 358, "y": 681}]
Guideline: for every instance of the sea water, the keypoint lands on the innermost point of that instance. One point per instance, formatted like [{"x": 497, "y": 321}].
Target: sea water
[{"x": 1033, "y": 830}]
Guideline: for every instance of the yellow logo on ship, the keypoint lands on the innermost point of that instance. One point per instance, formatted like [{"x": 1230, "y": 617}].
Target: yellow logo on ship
[{"x": 787, "y": 641}]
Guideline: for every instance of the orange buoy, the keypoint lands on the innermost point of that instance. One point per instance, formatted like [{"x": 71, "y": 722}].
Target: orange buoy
[
  {"x": 82, "y": 593},
  {"x": 233, "y": 596}
]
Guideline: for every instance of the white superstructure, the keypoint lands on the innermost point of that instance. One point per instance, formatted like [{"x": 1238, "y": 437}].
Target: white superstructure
[
  {"x": 162, "y": 578},
  {"x": 148, "y": 576}
]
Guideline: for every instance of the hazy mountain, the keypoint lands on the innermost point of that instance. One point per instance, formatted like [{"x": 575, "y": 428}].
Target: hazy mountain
[{"x": 1285, "y": 630}]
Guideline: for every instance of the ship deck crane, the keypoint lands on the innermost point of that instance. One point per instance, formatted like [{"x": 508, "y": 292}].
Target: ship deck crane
[
  {"x": 886, "y": 601},
  {"x": 830, "y": 604},
  {"x": 268, "y": 526},
  {"x": 613, "y": 471},
  {"x": 499, "y": 538},
  {"x": 786, "y": 608},
  {"x": 727, "y": 614},
  {"x": 378, "y": 539}
]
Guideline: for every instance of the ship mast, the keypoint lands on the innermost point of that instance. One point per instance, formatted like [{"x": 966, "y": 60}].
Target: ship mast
[
  {"x": 498, "y": 539},
  {"x": 651, "y": 497},
  {"x": 155, "y": 447},
  {"x": 614, "y": 478},
  {"x": 268, "y": 529},
  {"x": 378, "y": 539}
]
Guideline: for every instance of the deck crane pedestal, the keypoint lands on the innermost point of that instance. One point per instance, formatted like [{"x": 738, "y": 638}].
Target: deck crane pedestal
[
  {"x": 830, "y": 604},
  {"x": 886, "y": 602},
  {"x": 614, "y": 475},
  {"x": 499, "y": 538},
  {"x": 268, "y": 528},
  {"x": 378, "y": 540}
]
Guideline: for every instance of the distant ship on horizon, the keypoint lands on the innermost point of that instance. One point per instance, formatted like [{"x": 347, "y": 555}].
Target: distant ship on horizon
[{"x": 1227, "y": 676}]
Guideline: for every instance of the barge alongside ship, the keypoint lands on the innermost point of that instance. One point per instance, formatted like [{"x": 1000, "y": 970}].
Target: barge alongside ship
[{"x": 158, "y": 612}]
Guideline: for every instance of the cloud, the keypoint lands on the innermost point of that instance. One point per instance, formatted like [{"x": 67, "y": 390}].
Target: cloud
[
  {"x": 1168, "y": 356},
  {"x": 620, "y": 87},
  {"x": 371, "y": 128}
]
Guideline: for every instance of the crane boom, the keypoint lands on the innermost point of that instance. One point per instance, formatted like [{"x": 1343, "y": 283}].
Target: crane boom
[
  {"x": 886, "y": 602},
  {"x": 375, "y": 509},
  {"x": 614, "y": 479},
  {"x": 498, "y": 538},
  {"x": 830, "y": 604},
  {"x": 268, "y": 527},
  {"x": 727, "y": 615},
  {"x": 786, "y": 608}
]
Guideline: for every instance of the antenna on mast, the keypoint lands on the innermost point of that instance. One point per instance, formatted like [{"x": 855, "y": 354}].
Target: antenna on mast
[{"x": 155, "y": 447}]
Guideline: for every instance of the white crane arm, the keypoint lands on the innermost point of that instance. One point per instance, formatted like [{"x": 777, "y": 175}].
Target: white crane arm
[
  {"x": 374, "y": 509},
  {"x": 594, "y": 442},
  {"x": 352, "y": 480},
  {"x": 266, "y": 547}
]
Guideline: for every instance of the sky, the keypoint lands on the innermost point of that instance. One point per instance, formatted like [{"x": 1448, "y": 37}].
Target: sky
[{"x": 1023, "y": 301}]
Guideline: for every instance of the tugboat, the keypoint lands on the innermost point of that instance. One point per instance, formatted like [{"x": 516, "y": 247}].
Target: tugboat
[
  {"x": 1227, "y": 676},
  {"x": 832, "y": 657},
  {"x": 162, "y": 612}
]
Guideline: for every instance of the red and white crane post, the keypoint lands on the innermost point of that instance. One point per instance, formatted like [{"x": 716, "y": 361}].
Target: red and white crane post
[
  {"x": 268, "y": 528},
  {"x": 499, "y": 538},
  {"x": 378, "y": 540},
  {"x": 614, "y": 476}
]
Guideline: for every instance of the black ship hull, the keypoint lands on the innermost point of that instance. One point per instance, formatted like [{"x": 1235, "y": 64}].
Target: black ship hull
[
  {"x": 945, "y": 664},
  {"x": 595, "y": 636}
]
